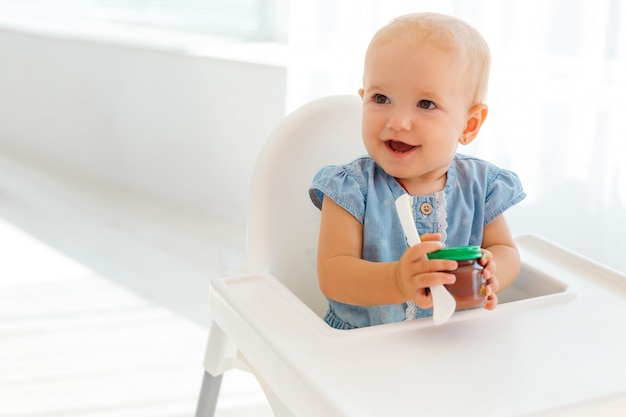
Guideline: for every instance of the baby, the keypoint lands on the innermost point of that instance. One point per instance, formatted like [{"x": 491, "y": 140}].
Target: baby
[{"x": 424, "y": 85}]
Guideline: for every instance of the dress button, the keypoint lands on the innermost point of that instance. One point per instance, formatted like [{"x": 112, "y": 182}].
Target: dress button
[{"x": 426, "y": 208}]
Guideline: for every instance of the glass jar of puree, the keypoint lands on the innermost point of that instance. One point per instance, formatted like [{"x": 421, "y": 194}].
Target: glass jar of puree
[{"x": 469, "y": 288}]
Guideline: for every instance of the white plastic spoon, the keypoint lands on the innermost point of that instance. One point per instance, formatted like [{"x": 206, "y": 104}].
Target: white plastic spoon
[{"x": 443, "y": 302}]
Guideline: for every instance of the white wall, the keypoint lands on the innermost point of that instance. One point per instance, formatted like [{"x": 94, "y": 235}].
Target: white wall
[
  {"x": 188, "y": 128},
  {"x": 181, "y": 127}
]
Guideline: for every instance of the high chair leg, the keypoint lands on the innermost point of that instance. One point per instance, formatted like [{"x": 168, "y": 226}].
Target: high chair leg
[{"x": 209, "y": 392}]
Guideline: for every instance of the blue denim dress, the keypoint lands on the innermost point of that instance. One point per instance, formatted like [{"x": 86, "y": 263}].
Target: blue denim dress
[{"x": 476, "y": 192}]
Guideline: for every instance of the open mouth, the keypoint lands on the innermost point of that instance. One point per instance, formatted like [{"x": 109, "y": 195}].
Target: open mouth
[{"x": 399, "y": 147}]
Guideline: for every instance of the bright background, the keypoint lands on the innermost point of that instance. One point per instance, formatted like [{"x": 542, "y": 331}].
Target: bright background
[
  {"x": 128, "y": 134},
  {"x": 164, "y": 108}
]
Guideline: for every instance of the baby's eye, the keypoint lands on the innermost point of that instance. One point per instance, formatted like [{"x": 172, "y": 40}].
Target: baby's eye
[
  {"x": 426, "y": 104},
  {"x": 381, "y": 99}
]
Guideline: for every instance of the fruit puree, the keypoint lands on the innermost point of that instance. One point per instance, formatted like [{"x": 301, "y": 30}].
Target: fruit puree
[{"x": 469, "y": 288}]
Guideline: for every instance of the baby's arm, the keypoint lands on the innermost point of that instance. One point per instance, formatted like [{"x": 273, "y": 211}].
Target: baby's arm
[
  {"x": 345, "y": 277},
  {"x": 501, "y": 252}
]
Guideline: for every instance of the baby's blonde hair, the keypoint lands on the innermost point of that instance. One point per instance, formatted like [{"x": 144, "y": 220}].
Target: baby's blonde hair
[{"x": 446, "y": 31}]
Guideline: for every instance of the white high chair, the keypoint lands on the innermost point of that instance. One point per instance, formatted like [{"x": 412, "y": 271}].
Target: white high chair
[
  {"x": 283, "y": 224},
  {"x": 549, "y": 349}
]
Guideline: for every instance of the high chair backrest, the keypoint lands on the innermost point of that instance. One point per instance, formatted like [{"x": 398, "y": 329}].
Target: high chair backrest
[{"x": 283, "y": 224}]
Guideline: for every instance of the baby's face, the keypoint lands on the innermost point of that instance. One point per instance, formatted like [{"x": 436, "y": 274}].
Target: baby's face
[{"x": 416, "y": 100}]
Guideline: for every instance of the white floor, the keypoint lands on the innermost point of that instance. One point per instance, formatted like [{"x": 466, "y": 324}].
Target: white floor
[{"x": 103, "y": 300}]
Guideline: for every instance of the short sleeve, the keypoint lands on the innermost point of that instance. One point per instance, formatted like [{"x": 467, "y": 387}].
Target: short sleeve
[
  {"x": 342, "y": 186},
  {"x": 504, "y": 190}
]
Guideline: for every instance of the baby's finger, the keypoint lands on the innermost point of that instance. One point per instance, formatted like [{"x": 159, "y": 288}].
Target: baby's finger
[
  {"x": 419, "y": 251},
  {"x": 430, "y": 279},
  {"x": 431, "y": 237},
  {"x": 423, "y": 299},
  {"x": 492, "y": 285},
  {"x": 491, "y": 302},
  {"x": 487, "y": 258},
  {"x": 422, "y": 284}
]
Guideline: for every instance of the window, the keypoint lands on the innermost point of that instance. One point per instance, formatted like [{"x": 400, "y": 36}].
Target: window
[
  {"x": 251, "y": 19},
  {"x": 263, "y": 20}
]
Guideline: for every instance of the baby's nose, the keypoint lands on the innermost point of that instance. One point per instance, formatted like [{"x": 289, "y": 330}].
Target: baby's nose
[{"x": 400, "y": 120}]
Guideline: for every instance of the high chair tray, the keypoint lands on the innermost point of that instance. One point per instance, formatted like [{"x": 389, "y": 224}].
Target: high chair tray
[{"x": 554, "y": 347}]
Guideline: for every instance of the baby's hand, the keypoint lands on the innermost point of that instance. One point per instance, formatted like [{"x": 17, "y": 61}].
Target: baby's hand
[
  {"x": 492, "y": 285},
  {"x": 415, "y": 273}
]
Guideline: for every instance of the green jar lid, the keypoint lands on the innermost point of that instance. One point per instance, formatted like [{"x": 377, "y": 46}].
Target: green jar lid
[{"x": 457, "y": 253}]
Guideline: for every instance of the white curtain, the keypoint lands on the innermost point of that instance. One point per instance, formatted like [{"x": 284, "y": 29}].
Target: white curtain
[{"x": 557, "y": 101}]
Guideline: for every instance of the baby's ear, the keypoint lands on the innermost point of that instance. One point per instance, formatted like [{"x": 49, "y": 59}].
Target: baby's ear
[
  {"x": 476, "y": 118},
  {"x": 361, "y": 92}
]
